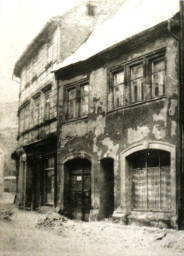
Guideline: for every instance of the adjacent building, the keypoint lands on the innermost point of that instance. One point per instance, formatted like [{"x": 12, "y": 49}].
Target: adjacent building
[
  {"x": 36, "y": 153},
  {"x": 119, "y": 137}
]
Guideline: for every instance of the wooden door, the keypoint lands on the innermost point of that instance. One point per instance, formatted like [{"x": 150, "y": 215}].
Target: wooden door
[{"x": 80, "y": 190}]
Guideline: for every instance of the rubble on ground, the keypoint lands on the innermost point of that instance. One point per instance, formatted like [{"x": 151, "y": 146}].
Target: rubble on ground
[{"x": 7, "y": 215}]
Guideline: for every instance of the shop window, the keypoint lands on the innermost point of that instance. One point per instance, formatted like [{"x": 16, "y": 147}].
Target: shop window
[
  {"x": 151, "y": 187},
  {"x": 49, "y": 178},
  {"x": 77, "y": 101},
  {"x": 132, "y": 83}
]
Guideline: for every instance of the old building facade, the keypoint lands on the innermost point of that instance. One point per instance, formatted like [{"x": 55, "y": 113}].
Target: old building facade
[
  {"x": 36, "y": 153},
  {"x": 119, "y": 130},
  {"x": 37, "y": 113},
  {"x": 102, "y": 136}
]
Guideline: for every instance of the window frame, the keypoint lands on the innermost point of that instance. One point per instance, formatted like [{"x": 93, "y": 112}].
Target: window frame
[
  {"x": 77, "y": 100},
  {"x": 146, "y": 61}
]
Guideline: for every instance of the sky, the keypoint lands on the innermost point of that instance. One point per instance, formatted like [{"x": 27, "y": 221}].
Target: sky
[{"x": 20, "y": 22}]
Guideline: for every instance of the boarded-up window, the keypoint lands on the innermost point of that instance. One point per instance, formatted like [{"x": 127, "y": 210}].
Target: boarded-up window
[{"x": 151, "y": 188}]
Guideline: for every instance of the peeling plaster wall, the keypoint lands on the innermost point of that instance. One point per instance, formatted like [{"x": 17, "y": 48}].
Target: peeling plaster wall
[{"x": 106, "y": 134}]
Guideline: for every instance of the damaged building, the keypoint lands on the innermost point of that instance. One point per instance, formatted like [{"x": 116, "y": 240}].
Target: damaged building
[
  {"x": 100, "y": 124},
  {"x": 36, "y": 152},
  {"x": 119, "y": 138}
]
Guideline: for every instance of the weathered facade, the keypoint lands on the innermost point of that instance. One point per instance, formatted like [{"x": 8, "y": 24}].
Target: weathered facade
[
  {"x": 37, "y": 136},
  {"x": 119, "y": 131},
  {"x": 36, "y": 153}
]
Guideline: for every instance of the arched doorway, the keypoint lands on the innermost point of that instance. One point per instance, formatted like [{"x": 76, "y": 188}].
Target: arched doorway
[{"x": 77, "y": 188}]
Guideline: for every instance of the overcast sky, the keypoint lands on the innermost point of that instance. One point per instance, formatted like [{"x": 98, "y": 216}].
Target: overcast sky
[{"x": 20, "y": 21}]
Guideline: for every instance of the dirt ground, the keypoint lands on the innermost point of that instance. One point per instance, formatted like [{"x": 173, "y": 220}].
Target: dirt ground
[{"x": 21, "y": 236}]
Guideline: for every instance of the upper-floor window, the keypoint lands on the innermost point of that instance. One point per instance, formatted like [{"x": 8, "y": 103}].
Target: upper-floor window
[
  {"x": 77, "y": 102},
  {"x": 136, "y": 82},
  {"x": 47, "y": 105},
  {"x": 36, "y": 110}
]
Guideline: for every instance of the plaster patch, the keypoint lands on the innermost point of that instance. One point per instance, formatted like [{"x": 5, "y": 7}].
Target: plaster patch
[
  {"x": 137, "y": 135},
  {"x": 112, "y": 149},
  {"x": 162, "y": 115},
  {"x": 173, "y": 128},
  {"x": 159, "y": 132},
  {"x": 173, "y": 106}
]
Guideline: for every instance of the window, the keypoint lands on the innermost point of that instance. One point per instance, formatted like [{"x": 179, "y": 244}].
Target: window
[
  {"x": 47, "y": 106},
  {"x": 26, "y": 117},
  {"x": 49, "y": 180},
  {"x": 158, "y": 77},
  {"x": 131, "y": 83},
  {"x": 136, "y": 78},
  {"x": 77, "y": 101},
  {"x": 91, "y": 9},
  {"x": 151, "y": 186},
  {"x": 118, "y": 88},
  {"x": 36, "y": 110}
]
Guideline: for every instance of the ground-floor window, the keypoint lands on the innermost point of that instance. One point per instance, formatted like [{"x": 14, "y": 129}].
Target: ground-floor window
[
  {"x": 151, "y": 185},
  {"x": 49, "y": 178}
]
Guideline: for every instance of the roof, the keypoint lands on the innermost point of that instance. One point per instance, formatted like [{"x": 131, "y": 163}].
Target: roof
[{"x": 133, "y": 17}]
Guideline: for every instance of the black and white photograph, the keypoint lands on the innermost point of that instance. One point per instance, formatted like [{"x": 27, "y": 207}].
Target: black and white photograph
[{"x": 92, "y": 128}]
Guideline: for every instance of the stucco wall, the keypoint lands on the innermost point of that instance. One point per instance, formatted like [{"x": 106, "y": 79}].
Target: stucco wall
[{"x": 107, "y": 133}]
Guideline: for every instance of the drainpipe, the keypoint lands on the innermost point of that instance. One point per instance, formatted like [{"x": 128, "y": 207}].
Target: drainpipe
[{"x": 181, "y": 85}]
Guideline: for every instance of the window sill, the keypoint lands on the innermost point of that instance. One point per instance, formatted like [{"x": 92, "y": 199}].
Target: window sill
[
  {"x": 74, "y": 120},
  {"x": 136, "y": 104}
]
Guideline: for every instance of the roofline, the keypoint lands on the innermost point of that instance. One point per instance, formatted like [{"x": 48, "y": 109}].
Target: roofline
[
  {"x": 161, "y": 25},
  {"x": 30, "y": 49}
]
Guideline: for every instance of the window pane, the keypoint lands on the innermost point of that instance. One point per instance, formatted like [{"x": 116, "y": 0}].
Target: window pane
[
  {"x": 72, "y": 94},
  {"x": 158, "y": 78},
  {"x": 119, "y": 78},
  {"x": 84, "y": 90},
  {"x": 137, "y": 83},
  {"x": 136, "y": 72},
  {"x": 84, "y": 106}
]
